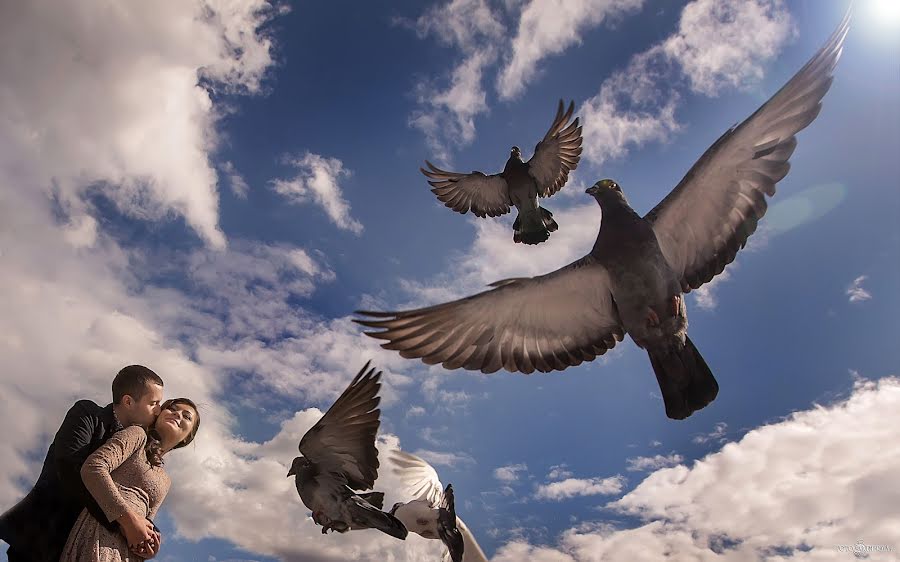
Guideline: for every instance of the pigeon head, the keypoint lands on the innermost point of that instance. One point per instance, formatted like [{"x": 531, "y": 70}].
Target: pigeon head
[
  {"x": 298, "y": 464},
  {"x": 516, "y": 153},
  {"x": 606, "y": 191}
]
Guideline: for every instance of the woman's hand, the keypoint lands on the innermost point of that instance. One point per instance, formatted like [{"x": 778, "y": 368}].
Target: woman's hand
[
  {"x": 137, "y": 530},
  {"x": 149, "y": 548}
]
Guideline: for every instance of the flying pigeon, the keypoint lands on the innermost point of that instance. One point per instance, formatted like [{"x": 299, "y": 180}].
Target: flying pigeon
[
  {"x": 339, "y": 459},
  {"x": 633, "y": 278},
  {"x": 519, "y": 184},
  {"x": 431, "y": 514}
]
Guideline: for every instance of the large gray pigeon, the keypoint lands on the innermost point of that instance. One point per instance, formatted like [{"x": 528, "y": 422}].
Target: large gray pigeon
[
  {"x": 432, "y": 511},
  {"x": 339, "y": 459},
  {"x": 520, "y": 183},
  {"x": 633, "y": 278}
]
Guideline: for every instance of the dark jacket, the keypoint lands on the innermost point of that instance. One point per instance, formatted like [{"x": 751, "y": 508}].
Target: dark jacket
[{"x": 37, "y": 527}]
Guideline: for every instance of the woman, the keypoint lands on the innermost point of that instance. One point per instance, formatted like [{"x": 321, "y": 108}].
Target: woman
[{"x": 126, "y": 477}]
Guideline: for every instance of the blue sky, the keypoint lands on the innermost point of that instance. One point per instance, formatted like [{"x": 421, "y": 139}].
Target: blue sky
[{"x": 212, "y": 189}]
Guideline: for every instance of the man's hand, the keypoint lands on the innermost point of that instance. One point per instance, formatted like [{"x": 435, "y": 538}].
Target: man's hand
[{"x": 137, "y": 530}]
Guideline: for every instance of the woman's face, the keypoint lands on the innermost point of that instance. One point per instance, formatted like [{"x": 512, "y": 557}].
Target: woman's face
[{"x": 176, "y": 422}]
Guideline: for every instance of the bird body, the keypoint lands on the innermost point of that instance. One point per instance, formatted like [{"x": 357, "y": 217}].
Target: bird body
[
  {"x": 633, "y": 279},
  {"x": 419, "y": 517},
  {"x": 432, "y": 512},
  {"x": 519, "y": 184},
  {"x": 339, "y": 460}
]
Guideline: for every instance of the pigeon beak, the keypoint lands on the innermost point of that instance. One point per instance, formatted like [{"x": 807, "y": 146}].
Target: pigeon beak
[
  {"x": 291, "y": 472},
  {"x": 591, "y": 190}
]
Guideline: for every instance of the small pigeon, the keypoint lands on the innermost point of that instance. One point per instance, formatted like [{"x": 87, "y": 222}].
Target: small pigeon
[
  {"x": 520, "y": 183},
  {"x": 633, "y": 278},
  {"x": 432, "y": 513},
  {"x": 339, "y": 459}
]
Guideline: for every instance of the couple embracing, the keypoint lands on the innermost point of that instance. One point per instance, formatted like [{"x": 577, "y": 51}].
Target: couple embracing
[{"x": 103, "y": 479}]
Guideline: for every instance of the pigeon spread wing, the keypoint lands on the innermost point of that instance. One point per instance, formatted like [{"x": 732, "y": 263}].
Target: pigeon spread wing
[
  {"x": 485, "y": 196},
  {"x": 343, "y": 441},
  {"x": 420, "y": 480},
  {"x": 708, "y": 217},
  {"x": 557, "y": 154},
  {"x": 540, "y": 323}
]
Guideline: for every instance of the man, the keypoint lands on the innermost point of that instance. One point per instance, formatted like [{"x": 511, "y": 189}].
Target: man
[{"x": 37, "y": 527}]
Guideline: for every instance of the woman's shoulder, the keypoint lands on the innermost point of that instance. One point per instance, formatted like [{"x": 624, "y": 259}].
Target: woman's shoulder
[{"x": 132, "y": 434}]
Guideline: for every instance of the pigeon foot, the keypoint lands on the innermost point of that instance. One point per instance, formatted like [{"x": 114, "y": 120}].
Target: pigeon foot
[{"x": 676, "y": 304}]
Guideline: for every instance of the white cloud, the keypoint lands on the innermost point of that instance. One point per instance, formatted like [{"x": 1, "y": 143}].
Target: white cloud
[
  {"x": 634, "y": 106},
  {"x": 725, "y": 44},
  {"x": 438, "y": 458},
  {"x": 547, "y": 27},
  {"x": 559, "y": 472},
  {"x": 655, "y": 462},
  {"x": 415, "y": 411},
  {"x": 317, "y": 180},
  {"x": 509, "y": 473},
  {"x": 447, "y": 115},
  {"x": 719, "y": 44},
  {"x": 235, "y": 180},
  {"x": 716, "y": 434},
  {"x": 856, "y": 292},
  {"x": 792, "y": 490},
  {"x": 572, "y": 487},
  {"x": 705, "y": 296},
  {"x": 133, "y": 121}
]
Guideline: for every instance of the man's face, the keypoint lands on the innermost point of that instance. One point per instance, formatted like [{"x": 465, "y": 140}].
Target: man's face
[{"x": 144, "y": 410}]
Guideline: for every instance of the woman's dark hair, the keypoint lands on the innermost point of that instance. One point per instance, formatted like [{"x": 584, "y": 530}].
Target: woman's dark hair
[{"x": 153, "y": 448}]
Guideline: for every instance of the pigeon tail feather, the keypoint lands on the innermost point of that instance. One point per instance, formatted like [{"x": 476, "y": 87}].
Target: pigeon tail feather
[
  {"x": 534, "y": 226},
  {"x": 685, "y": 380},
  {"x": 366, "y": 516},
  {"x": 374, "y": 498}
]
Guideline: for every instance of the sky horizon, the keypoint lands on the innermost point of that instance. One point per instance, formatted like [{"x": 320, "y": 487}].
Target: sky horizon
[{"x": 212, "y": 188}]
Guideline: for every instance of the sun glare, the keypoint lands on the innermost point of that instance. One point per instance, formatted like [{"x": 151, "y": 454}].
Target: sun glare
[{"x": 884, "y": 13}]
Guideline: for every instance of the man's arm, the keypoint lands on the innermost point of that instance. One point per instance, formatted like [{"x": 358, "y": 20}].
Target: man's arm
[{"x": 71, "y": 447}]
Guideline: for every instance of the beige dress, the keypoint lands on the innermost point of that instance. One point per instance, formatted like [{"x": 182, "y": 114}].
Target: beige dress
[{"x": 120, "y": 479}]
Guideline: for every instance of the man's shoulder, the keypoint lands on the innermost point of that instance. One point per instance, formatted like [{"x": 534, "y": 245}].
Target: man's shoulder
[{"x": 86, "y": 406}]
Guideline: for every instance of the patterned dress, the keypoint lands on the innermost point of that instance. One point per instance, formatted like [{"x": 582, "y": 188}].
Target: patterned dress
[{"x": 120, "y": 479}]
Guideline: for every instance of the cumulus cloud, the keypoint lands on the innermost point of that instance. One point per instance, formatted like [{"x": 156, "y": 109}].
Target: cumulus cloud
[
  {"x": 856, "y": 292},
  {"x": 134, "y": 121},
  {"x": 549, "y": 28},
  {"x": 718, "y": 44},
  {"x": 317, "y": 180},
  {"x": 636, "y": 464},
  {"x": 559, "y": 472},
  {"x": 446, "y": 114},
  {"x": 509, "y": 473},
  {"x": 572, "y": 487},
  {"x": 794, "y": 490},
  {"x": 725, "y": 44}
]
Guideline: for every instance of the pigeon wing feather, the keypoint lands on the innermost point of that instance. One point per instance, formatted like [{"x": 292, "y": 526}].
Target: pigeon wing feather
[
  {"x": 707, "y": 218},
  {"x": 543, "y": 323},
  {"x": 343, "y": 441},
  {"x": 557, "y": 154},
  {"x": 485, "y": 196}
]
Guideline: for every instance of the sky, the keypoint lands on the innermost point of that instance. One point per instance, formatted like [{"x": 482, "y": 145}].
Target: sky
[{"x": 212, "y": 187}]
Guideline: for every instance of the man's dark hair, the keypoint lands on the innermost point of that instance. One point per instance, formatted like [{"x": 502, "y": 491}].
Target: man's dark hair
[{"x": 133, "y": 380}]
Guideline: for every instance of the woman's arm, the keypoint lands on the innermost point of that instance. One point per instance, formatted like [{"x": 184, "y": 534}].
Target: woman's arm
[{"x": 96, "y": 472}]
